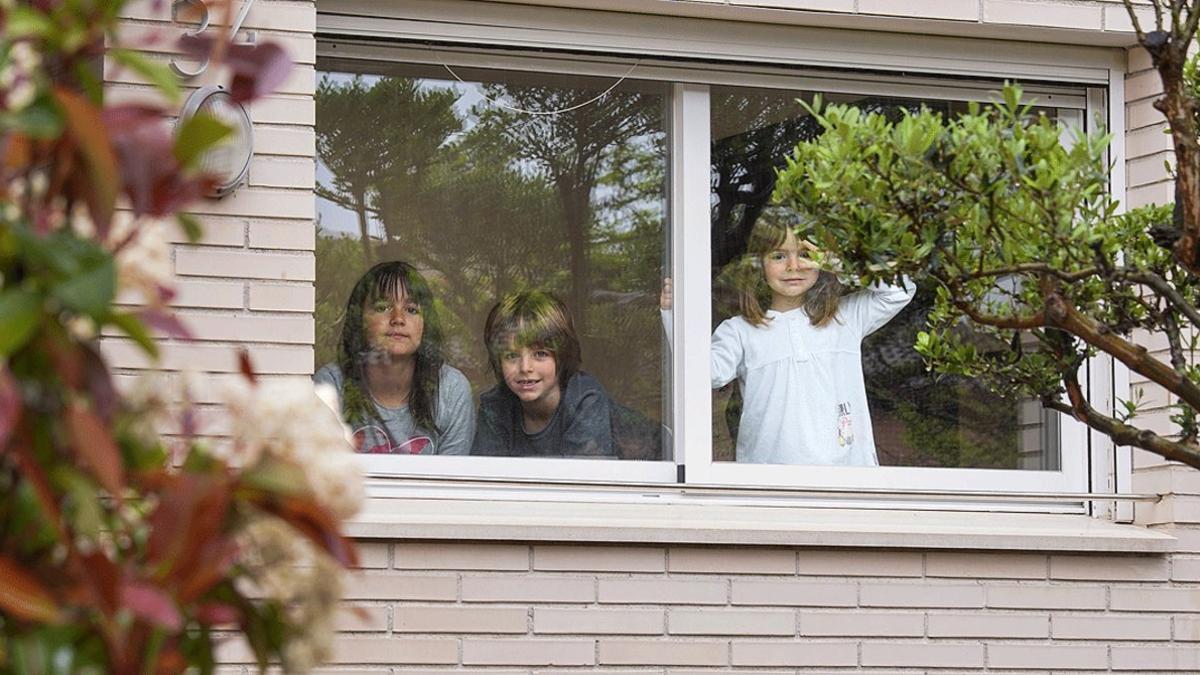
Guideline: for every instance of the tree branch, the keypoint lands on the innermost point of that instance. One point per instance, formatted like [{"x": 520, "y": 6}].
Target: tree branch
[
  {"x": 1120, "y": 432},
  {"x": 1165, "y": 289},
  {"x": 1061, "y": 314},
  {"x": 1035, "y": 268},
  {"x": 1137, "y": 25}
]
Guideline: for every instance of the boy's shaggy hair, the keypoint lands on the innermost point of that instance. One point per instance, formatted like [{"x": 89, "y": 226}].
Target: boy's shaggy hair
[{"x": 533, "y": 319}]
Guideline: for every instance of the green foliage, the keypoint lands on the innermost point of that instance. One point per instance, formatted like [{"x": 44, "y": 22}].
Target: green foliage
[{"x": 1007, "y": 215}]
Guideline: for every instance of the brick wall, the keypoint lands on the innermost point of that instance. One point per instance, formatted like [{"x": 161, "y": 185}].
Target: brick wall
[
  {"x": 249, "y": 282},
  {"x": 530, "y": 608}
]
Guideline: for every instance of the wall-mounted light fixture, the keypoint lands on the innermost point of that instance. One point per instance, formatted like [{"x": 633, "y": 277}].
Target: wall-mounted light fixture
[{"x": 229, "y": 161}]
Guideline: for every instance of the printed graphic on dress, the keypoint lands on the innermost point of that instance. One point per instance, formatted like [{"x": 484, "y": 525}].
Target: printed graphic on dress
[
  {"x": 374, "y": 440},
  {"x": 845, "y": 425}
]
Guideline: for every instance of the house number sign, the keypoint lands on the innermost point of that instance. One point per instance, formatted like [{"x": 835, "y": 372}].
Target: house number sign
[{"x": 200, "y": 7}]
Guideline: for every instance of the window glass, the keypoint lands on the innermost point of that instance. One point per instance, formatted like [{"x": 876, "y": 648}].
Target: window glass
[
  {"x": 536, "y": 200},
  {"x": 797, "y": 393}
]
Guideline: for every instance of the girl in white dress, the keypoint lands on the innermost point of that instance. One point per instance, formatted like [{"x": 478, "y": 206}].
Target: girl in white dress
[{"x": 795, "y": 348}]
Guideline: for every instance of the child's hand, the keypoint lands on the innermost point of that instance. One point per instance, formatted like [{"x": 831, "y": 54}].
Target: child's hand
[
  {"x": 664, "y": 297},
  {"x": 821, "y": 259}
]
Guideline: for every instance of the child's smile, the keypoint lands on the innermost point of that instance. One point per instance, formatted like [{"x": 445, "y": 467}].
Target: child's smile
[
  {"x": 532, "y": 374},
  {"x": 789, "y": 272}
]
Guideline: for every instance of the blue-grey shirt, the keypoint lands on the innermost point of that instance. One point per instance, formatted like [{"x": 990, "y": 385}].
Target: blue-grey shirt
[{"x": 580, "y": 427}]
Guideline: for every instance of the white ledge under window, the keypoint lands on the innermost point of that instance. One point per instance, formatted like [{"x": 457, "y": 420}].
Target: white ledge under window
[{"x": 677, "y": 518}]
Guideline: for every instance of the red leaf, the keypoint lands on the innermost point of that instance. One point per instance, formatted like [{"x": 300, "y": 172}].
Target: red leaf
[
  {"x": 216, "y": 613},
  {"x": 152, "y": 604},
  {"x": 191, "y": 513},
  {"x": 245, "y": 367},
  {"x": 317, "y": 524},
  {"x": 211, "y": 563},
  {"x": 164, "y": 322},
  {"x": 104, "y": 578},
  {"x": 151, "y": 176},
  {"x": 94, "y": 445},
  {"x": 23, "y": 596},
  {"x": 10, "y": 406},
  {"x": 88, "y": 130},
  {"x": 258, "y": 69},
  {"x": 99, "y": 383}
]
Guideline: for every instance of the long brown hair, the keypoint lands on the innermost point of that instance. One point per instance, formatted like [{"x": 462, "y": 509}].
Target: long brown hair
[
  {"x": 754, "y": 295},
  {"x": 388, "y": 280}
]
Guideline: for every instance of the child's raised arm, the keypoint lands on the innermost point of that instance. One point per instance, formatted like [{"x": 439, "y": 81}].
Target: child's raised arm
[{"x": 873, "y": 307}]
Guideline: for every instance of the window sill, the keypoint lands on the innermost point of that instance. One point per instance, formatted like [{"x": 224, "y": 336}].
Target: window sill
[{"x": 653, "y": 520}]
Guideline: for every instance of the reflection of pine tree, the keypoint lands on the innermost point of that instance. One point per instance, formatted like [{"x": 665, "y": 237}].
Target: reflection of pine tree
[
  {"x": 753, "y": 134},
  {"x": 378, "y": 140},
  {"x": 482, "y": 208},
  {"x": 570, "y": 149}
]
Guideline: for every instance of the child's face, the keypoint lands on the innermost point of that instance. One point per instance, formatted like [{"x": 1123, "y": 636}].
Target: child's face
[
  {"x": 394, "y": 326},
  {"x": 789, "y": 270},
  {"x": 530, "y": 372}
]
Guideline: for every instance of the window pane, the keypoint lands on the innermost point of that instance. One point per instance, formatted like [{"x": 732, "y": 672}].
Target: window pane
[
  {"x": 796, "y": 390},
  {"x": 562, "y": 216}
]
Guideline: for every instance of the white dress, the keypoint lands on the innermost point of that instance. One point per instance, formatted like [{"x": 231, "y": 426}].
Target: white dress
[{"x": 804, "y": 400}]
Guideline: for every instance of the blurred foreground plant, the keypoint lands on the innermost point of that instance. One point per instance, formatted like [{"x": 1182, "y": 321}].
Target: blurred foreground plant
[{"x": 121, "y": 550}]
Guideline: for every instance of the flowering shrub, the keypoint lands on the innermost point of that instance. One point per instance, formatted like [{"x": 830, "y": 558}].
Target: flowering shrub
[{"x": 122, "y": 550}]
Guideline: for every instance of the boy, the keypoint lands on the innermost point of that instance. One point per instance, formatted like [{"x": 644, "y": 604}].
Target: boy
[{"x": 543, "y": 405}]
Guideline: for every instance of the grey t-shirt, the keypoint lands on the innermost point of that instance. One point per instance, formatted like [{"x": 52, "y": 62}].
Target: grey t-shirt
[
  {"x": 580, "y": 427},
  {"x": 454, "y": 415}
]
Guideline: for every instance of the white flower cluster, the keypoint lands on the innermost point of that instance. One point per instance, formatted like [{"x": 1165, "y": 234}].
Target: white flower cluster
[
  {"x": 144, "y": 261},
  {"x": 282, "y": 566},
  {"x": 292, "y": 421},
  {"x": 141, "y": 250},
  {"x": 17, "y": 76},
  {"x": 156, "y": 401}
]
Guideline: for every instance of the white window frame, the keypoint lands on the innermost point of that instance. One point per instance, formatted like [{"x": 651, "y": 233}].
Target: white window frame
[{"x": 1090, "y": 463}]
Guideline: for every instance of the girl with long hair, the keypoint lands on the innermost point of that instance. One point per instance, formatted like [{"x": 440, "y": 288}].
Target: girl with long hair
[
  {"x": 397, "y": 392},
  {"x": 795, "y": 348}
]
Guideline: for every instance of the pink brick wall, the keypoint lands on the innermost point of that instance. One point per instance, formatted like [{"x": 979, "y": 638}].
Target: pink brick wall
[{"x": 534, "y": 607}]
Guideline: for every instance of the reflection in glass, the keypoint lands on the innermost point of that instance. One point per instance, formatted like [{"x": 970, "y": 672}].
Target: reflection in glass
[
  {"x": 919, "y": 418},
  {"x": 486, "y": 201}
]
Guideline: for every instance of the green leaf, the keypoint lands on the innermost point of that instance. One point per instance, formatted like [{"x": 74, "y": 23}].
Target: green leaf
[
  {"x": 191, "y": 227},
  {"x": 135, "y": 329},
  {"x": 154, "y": 72},
  {"x": 22, "y": 22},
  {"x": 198, "y": 134},
  {"x": 92, "y": 290},
  {"x": 39, "y": 120},
  {"x": 19, "y": 314},
  {"x": 277, "y": 477},
  {"x": 84, "y": 505}
]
